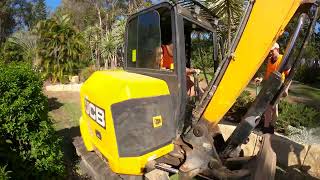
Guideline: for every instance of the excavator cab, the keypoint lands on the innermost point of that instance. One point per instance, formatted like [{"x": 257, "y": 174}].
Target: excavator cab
[
  {"x": 188, "y": 30},
  {"x": 154, "y": 114}
]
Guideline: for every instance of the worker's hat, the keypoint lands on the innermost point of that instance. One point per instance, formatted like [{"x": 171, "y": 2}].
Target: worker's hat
[{"x": 275, "y": 46}]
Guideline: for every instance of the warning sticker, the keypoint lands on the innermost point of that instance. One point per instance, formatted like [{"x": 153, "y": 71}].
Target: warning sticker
[{"x": 134, "y": 55}]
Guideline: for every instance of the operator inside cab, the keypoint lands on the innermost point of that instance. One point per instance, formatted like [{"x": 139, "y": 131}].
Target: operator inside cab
[
  {"x": 167, "y": 56},
  {"x": 167, "y": 51},
  {"x": 167, "y": 63}
]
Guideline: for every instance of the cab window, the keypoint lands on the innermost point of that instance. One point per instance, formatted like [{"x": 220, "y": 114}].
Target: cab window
[
  {"x": 148, "y": 37},
  {"x": 144, "y": 40}
]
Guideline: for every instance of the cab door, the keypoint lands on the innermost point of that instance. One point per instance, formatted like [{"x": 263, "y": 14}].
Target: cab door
[{"x": 148, "y": 33}]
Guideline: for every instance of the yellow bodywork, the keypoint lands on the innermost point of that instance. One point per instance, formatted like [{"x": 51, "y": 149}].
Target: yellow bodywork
[
  {"x": 266, "y": 23},
  {"x": 105, "y": 88}
]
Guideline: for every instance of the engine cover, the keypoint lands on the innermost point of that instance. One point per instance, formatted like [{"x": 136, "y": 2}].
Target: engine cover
[{"x": 128, "y": 117}]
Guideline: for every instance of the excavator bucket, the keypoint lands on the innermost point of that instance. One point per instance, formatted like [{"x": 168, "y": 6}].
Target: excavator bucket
[{"x": 264, "y": 165}]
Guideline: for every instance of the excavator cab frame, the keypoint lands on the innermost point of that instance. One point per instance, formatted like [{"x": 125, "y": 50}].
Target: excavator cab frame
[{"x": 179, "y": 14}]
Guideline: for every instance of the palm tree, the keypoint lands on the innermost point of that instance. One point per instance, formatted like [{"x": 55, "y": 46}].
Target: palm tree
[
  {"x": 105, "y": 38},
  {"x": 27, "y": 42},
  {"x": 61, "y": 47},
  {"x": 112, "y": 42},
  {"x": 92, "y": 36},
  {"x": 230, "y": 12}
]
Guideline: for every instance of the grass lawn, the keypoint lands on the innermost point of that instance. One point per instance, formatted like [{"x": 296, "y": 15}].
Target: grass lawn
[
  {"x": 301, "y": 93},
  {"x": 64, "y": 109},
  {"x": 298, "y": 93}
]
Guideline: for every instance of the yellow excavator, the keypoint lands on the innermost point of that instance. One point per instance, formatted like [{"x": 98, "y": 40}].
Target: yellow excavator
[{"x": 141, "y": 119}]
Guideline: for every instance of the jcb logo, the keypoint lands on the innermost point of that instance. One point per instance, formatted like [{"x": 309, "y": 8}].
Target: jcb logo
[
  {"x": 157, "y": 121},
  {"x": 94, "y": 112}
]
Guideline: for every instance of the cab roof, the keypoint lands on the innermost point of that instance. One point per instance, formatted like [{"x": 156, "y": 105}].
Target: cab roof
[{"x": 196, "y": 7}]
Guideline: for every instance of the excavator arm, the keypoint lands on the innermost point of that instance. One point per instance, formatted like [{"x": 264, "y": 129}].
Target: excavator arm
[{"x": 263, "y": 23}]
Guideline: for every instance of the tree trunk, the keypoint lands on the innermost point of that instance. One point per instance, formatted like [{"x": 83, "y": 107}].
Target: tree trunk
[
  {"x": 106, "y": 63},
  {"x": 113, "y": 62},
  {"x": 203, "y": 65},
  {"x": 91, "y": 52},
  {"x": 101, "y": 34},
  {"x": 97, "y": 52},
  {"x": 99, "y": 15},
  {"x": 222, "y": 50},
  {"x": 1, "y": 31},
  {"x": 229, "y": 25}
]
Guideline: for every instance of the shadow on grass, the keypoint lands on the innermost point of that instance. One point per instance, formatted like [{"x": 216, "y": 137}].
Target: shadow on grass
[
  {"x": 54, "y": 104},
  {"x": 70, "y": 157},
  {"x": 305, "y": 94},
  {"x": 308, "y": 92}
]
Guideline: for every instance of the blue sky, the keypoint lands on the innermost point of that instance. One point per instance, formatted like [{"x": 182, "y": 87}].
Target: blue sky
[{"x": 53, "y": 4}]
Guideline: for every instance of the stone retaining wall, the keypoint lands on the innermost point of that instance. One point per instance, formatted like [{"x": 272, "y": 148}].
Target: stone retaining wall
[
  {"x": 64, "y": 87},
  {"x": 289, "y": 153}
]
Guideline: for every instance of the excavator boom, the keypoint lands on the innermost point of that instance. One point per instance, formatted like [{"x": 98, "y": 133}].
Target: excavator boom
[{"x": 261, "y": 27}]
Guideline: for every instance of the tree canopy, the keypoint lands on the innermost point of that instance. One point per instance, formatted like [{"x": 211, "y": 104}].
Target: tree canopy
[{"x": 91, "y": 33}]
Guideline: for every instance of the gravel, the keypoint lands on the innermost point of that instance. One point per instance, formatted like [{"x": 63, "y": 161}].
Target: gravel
[{"x": 304, "y": 135}]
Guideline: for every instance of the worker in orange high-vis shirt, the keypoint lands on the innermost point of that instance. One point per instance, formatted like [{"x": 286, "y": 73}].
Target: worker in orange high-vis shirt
[
  {"x": 167, "y": 56},
  {"x": 167, "y": 63},
  {"x": 274, "y": 60}
]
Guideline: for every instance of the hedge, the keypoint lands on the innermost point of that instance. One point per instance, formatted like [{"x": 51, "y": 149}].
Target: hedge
[{"x": 28, "y": 143}]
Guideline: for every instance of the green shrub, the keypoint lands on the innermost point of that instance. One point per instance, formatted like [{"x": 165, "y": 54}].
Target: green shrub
[
  {"x": 240, "y": 107},
  {"x": 307, "y": 74},
  {"x": 86, "y": 73},
  {"x": 28, "y": 143},
  {"x": 296, "y": 115},
  {"x": 4, "y": 174},
  {"x": 11, "y": 52}
]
